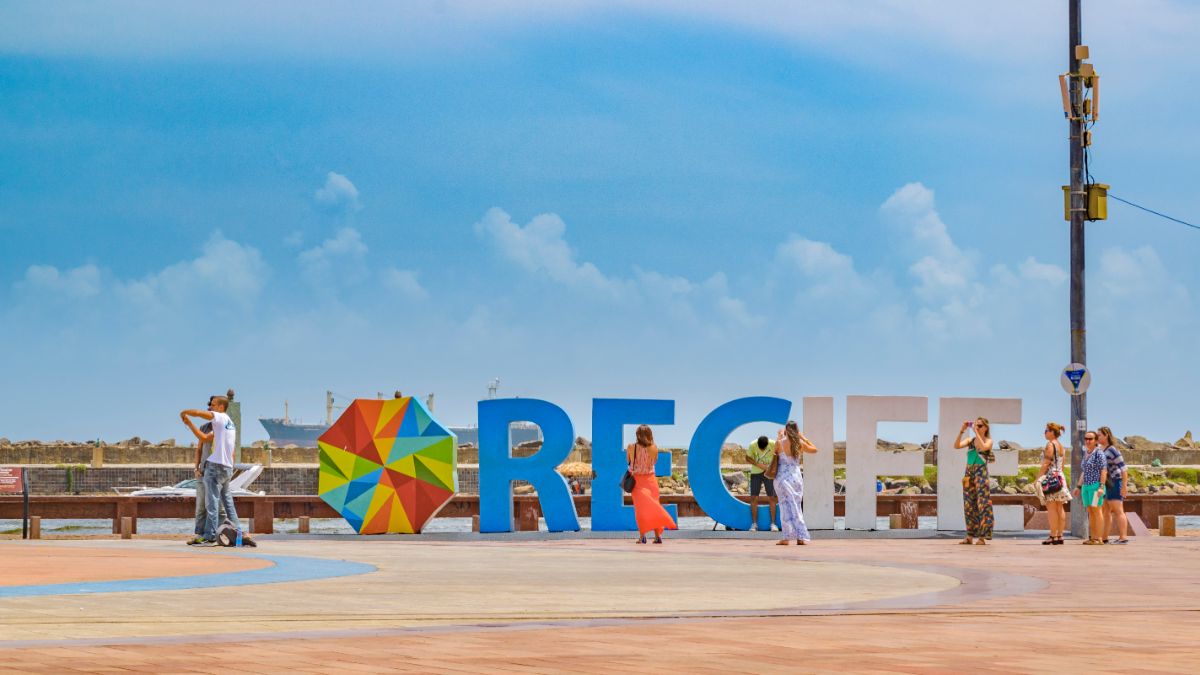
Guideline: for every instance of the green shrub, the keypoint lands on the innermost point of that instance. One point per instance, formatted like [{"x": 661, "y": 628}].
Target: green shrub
[
  {"x": 1184, "y": 475},
  {"x": 1143, "y": 479}
]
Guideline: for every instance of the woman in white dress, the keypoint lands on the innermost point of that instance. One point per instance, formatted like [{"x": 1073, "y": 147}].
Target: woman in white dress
[{"x": 789, "y": 483}]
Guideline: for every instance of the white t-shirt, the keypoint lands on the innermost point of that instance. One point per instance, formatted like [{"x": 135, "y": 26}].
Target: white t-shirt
[{"x": 224, "y": 435}]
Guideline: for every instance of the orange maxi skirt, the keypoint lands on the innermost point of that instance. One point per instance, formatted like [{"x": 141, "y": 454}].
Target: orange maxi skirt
[{"x": 648, "y": 512}]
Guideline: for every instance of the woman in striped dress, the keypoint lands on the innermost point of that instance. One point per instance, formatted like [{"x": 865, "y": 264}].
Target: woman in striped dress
[{"x": 647, "y": 511}]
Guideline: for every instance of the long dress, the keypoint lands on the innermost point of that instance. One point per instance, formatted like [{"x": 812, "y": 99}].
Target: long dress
[
  {"x": 647, "y": 511},
  {"x": 789, "y": 487},
  {"x": 977, "y": 496}
]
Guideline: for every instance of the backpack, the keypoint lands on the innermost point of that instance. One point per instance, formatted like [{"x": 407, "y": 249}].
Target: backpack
[{"x": 229, "y": 535}]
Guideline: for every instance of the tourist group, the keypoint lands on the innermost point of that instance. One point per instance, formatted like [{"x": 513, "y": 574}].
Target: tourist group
[{"x": 775, "y": 467}]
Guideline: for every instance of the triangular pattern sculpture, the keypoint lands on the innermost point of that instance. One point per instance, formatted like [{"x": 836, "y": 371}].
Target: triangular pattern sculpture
[{"x": 387, "y": 466}]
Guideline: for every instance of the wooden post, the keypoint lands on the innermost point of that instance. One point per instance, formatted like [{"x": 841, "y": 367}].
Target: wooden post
[
  {"x": 527, "y": 519},
  {"x": 35, "y": 527},
  {"x": 909, "y": 511},
  {"x": 1166, "y": 526},
  {"x": 895, "y": 521},
  {"x": 264, "y": 516},
  {"x": 126, "y": 527},
  {"x": 302, "y": 527},
  {"x": 474, "y": 523}
]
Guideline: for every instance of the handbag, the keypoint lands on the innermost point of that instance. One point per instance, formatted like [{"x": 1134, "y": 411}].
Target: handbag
[
  {"x": 773, "y": 468},
  {"x": 627, "y": 482},
  {"x": 1053, "y": 481}
]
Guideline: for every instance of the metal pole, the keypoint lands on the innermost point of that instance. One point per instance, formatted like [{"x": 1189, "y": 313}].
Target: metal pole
[
  {"x": 25, "y": 501},
  {"x": 1078, "y": 213}
]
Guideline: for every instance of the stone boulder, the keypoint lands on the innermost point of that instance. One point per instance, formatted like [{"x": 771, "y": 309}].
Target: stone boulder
[
  {"x": 581, "y": 442},
  {"x": 1143, "y": 444},
  {"x": 4, "y": 443},
  {"x": 134, "y": 442},
  {"x": 168, "y": 443},
  {"x": 259, "y": 444},
  {"x": 911, "y": 490},
  {"x": 1185, "y": 442}
]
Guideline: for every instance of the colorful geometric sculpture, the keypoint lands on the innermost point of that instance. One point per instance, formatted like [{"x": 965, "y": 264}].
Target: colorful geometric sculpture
[{"x": 387, "y": 466}]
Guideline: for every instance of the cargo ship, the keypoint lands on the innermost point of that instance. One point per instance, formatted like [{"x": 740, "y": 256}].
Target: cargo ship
[{"x": 285, "y": 431}]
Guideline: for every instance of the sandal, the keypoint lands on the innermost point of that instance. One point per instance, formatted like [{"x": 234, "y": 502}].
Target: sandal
[
  {"x": 981, "y": 542},
  {"x": 966, "y": 542},
  {"x": 1091, "y": 542},
  {"x": 1049, "y": 541},
  {"x": 1058, "y": 541},
  {"x": 782, "y": 542},
  {"x": 658, "y": 540},
  {"x": 642, "y": 540},
  {"x": 801, "y": 542},
  {"x": 1122, "y": 541}
]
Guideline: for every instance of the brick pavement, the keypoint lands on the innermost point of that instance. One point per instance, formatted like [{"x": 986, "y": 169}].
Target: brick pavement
[{"x": 1016, "y": 607}]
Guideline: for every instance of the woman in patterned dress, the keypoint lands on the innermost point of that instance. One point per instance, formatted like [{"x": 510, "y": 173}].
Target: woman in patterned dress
[
  {"x": 647, "y": 511},
  {"x": 789, "y": 483},
  {"x": 1052, "y": 465},
  {"x": 977, "y": 496},
  {"x": 1090, "y": 487}
]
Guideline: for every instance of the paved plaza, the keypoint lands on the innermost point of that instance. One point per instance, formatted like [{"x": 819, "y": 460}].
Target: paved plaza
[{"x": 600, "y": 605}]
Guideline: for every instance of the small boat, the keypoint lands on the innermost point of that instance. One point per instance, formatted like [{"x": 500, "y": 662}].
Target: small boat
[{"x": 244, "y": 475}]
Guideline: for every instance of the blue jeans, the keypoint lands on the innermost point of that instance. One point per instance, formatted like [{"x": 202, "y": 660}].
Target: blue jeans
[
  {"x": 202, "y": 509},
  {"x": 216, "y": 495}
]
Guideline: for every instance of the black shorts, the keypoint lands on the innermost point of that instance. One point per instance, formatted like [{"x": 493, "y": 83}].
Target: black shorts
[{"x": 757, "y": 481}]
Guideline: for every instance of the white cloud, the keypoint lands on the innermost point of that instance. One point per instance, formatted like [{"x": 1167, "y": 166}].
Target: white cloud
[
  {"x": 338, "y": 194},
  {"x": 1033, "y": 270},
  {"x": 944, "y": 270},
  {"x": 405, "y": 283},
  {"x": 826, "y": 273},
  {"x": 224, "y": 267},
  {"x": 1137, "y": 291},
  {"x": 345, "y": 251},
  {"x": 541, "y": 247},
  {"x": 79, "y": 282}
]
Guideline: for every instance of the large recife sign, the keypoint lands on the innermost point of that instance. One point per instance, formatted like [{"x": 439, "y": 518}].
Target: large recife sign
[{"x": 864, "y": 462}]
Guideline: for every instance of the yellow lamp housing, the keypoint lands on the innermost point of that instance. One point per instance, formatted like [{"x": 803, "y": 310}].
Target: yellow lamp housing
[{"x": 1097, "y": 201}]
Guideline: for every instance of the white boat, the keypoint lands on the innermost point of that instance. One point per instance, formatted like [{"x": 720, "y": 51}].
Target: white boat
[{"x": 244, "y": 475}]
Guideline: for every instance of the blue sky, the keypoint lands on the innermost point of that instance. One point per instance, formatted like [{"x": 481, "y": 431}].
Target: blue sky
[{"x": 678, "y": 200}]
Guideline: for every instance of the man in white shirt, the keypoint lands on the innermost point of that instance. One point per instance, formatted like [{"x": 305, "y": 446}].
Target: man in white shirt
[{"x": 218, "y": 468}]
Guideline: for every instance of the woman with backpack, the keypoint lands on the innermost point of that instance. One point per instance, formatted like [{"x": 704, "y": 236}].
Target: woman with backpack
[
  {"x": 977, "y": 495},
  {"x": 1052, "y": 484}
]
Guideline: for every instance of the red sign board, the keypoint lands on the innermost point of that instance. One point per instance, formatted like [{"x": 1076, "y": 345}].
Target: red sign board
[{"x": 11, "y": 480}]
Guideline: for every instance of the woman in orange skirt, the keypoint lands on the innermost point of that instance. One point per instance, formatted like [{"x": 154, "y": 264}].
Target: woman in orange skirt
[{"x": 650, "y": 515}]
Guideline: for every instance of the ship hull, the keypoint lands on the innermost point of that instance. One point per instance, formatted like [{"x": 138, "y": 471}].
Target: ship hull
[{"x": 305, "y": 435}]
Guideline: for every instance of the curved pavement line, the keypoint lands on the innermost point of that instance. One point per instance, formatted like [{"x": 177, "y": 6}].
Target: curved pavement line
[{"x": 285, "y": 568}]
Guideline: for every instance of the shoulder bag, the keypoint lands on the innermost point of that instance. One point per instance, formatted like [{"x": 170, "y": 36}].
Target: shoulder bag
[
  {"x": 1053, "y": 482},
  {"x": 773, "y": 468},
  {"x": 627, "y": 481}
]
